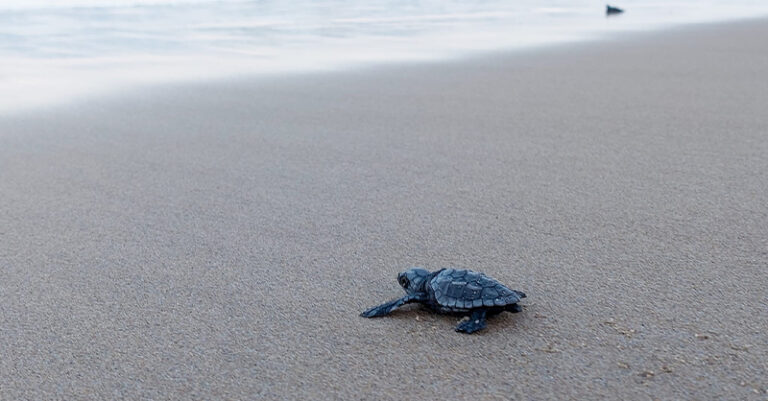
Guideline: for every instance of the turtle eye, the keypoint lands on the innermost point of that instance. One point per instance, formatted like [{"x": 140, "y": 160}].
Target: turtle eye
[{"x": 404, "y": 282}]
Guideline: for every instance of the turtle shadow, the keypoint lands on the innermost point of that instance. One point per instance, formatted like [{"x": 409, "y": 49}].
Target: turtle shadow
[{"x": 425, "y": 315}]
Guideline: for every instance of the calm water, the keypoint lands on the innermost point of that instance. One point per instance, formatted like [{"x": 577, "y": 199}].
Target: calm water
[{"x": 54, "y": 50}]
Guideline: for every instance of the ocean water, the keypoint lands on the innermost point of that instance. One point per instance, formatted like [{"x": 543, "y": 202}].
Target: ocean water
[{"x": 55, "y": 50}]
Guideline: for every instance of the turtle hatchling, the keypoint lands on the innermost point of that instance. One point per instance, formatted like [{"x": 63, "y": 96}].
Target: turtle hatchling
[{"x": 453, "y": 291}]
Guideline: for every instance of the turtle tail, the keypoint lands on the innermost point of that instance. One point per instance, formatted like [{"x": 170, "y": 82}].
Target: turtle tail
[{"x": 520, "y": 294}]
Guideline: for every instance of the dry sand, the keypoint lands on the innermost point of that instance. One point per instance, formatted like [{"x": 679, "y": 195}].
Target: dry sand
[{"x": 217, "y": 241}]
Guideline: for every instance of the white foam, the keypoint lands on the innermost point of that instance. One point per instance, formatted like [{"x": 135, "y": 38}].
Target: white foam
[{"x": 54, "y": 50}]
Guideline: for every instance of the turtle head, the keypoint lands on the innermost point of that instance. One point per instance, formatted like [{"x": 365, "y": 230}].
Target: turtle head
[{"x": 414, "y": 280}]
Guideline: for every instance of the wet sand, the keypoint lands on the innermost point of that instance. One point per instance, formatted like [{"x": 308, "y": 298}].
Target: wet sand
[{"x": 217, "y": 241}]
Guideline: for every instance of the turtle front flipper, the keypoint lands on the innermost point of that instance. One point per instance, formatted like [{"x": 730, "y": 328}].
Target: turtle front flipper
[
  {"x": 385, "y": 309},
  {"x": 476, "y": 322}
]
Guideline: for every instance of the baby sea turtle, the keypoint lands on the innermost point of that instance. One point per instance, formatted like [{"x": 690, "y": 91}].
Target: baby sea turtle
[{"x": 454, "y": 291}]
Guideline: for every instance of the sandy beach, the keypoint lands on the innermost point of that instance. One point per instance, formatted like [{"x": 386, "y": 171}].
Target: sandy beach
[{"x": 218, "y": 240}]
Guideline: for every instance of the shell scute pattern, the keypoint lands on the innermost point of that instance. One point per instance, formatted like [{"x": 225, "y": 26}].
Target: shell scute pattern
[
  {"x": 490, "y": 292},
  {"x": 456, "y": 289},
  {"x": 472, "y": 291},
  {"x": 467, "y": 289}
]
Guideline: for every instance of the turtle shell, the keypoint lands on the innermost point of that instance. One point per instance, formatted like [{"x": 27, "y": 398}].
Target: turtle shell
[{"x": 466, "y": 289}]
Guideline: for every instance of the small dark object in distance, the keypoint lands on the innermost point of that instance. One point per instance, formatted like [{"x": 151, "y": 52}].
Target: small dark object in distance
[
  {"x": 454, "y": 291},
  {"x": 610, "y": 10}
]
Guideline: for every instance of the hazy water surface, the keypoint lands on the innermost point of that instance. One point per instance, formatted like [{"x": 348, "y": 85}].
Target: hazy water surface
[{"x": 56, "y": 50}]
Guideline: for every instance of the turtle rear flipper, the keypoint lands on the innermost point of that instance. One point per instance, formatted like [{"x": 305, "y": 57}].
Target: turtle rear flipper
[
  {"x": 513, "y": 308},
  {"x": 476, "y": 322}
]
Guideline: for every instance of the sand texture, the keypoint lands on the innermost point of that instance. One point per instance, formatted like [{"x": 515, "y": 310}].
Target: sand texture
[{"x": 217, "y": 241}]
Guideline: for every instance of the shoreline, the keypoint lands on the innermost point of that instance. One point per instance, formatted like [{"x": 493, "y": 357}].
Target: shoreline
[
  {"x": 115, "y": 86},
  {"x": 218, "y": 240}
]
